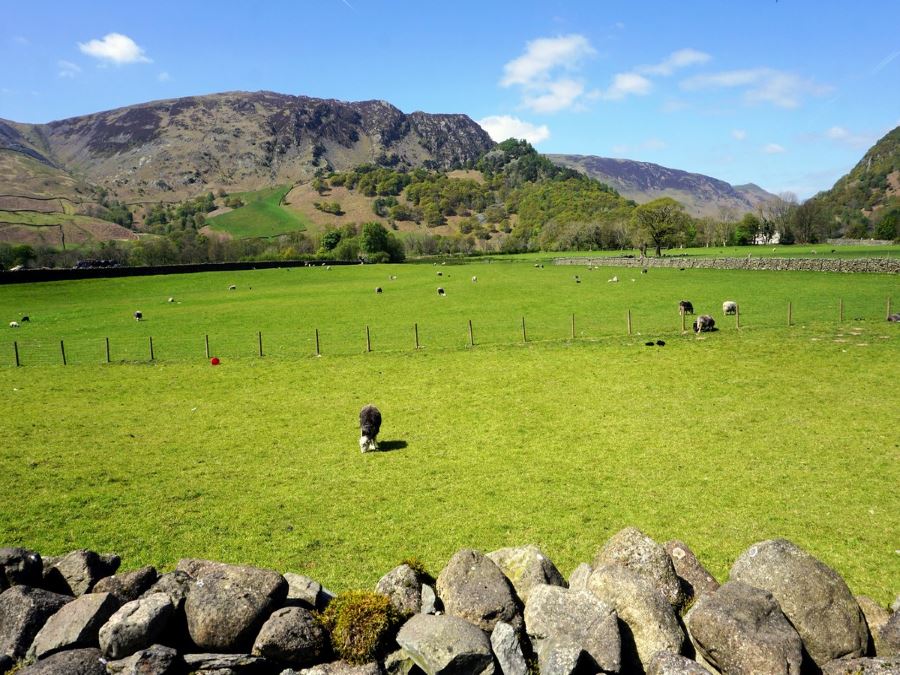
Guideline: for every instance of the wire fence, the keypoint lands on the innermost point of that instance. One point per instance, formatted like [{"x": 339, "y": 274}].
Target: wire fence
[{"x": 443, "y": 334}]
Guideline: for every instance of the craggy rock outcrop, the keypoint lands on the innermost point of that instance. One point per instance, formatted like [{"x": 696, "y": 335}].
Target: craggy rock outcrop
[
  {"x": 472, "y": 587},
  {"x": 812, "y": 596}
]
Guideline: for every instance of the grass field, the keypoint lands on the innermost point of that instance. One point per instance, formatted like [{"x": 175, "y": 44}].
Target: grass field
[
  {"x": 720, "y": 441},
  {"x": 261, "y": 216}
]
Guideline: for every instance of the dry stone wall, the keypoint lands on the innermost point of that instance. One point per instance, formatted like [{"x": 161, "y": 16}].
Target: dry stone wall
[
  {"x": 858, "y": 265},
  {"x": 639, "y": 607}
]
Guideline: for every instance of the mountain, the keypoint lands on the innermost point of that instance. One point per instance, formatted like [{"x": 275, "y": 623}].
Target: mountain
[
  {"x": 168, "y": 150},
  {"x": 643, "y": 182},
  {"x": 870, "y": 193}
]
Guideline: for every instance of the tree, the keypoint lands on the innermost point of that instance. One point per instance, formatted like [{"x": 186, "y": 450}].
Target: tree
[
  {"x": 373, "y": 238},
  {"x": 658, "y": 222},
  {"x": 807, "y": 222}
]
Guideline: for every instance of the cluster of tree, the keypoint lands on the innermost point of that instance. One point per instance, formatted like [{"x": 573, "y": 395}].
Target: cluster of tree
[
  {"x": 187, "y": 215},
  {"x": 371, "y": 243},
  {"x": 333, "y": 208},
  {"x": 111, "y": 210}
]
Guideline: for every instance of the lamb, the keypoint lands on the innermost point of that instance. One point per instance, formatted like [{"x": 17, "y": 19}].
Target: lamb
[
  {"x": 138, "y": 316},
  {"x": 25, "y": 319},
  {"x": 704, "y": 324},
  {"x": 685, "y": 307},
  {"x": 614, "y": 280},
  {"x": 440, "y": 274},
  {"x": 378, "y": 289},
  {"x": 729, "y": 307},
  {"x": 441, "y": 291},
  {"x": 13, "y": 324},
  {"x": 369, "y": 426},
  {"x": 171, "y": 299}
]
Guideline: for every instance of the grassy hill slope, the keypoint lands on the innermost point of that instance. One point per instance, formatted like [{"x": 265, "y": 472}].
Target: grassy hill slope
[{"x": 262, "y": 215}]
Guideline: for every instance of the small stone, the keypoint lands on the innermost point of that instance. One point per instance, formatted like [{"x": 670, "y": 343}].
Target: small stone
[
  {"x": 292, "y": 635},
  {"x": 155, "y": 660},
  {"x": 135, "y": 626},
  {"x": 404, "y": 589},
  {"x": 76, "y": 624},
  {"x": 429, "y": 600},
  {"x": 883, "y": 665},
  {"x": 695, "y": 578},
  {"x": 70, "y": 662},
  {"x": 128, "y": 586},
  {"x": 889, "y": 636},
  {"x": 472, "y": 587},
  {"x": 445, "y": 645},
  {"x": 667, "y": 663},
  {"x": 306, "y": 592},
  {"x": 78, "y": 571},
  {"x": 507, "y": 650}
]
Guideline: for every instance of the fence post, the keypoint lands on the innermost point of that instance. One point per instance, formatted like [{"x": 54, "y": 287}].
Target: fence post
[
  {"x": 368, "y": 340},
  {"x": 317, "y": 343},
  {"x": 107, "y": 350},
  {"x": 573, "y": 326},
  {"x": 841, "y": 305},
  {"x": 790, "y": 313},
  {"x": 207, "y": 346},
  {"x": 471, "y": 335},
  {"x": 416, "y": 331},
  {"x": 628, "y": 316},
  {"x": 62, "y": 349},
  {"x": 259, "y": 339},
  {"x": 524, "y": 335},
  {"x": 152, "y": 358},
  {"x": 16, "y": 349},
  {"x": 737, "y": 316}
]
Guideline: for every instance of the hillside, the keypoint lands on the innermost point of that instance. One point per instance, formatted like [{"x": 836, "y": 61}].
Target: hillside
[
  {"x": 866, "y": 202},
  {"x": 643, "y": 182}
]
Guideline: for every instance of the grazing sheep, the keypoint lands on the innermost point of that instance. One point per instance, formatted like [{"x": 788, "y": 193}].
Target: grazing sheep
[
  {"x": 232, "y": 287},
  {"x": 328, "y": 268},
  {"x": 894, "y": 318},
  {"x": 685, "y": 307},
  {"x": 13, "y": 324},
  {"x": 660, "y": 343},
  {"x": 441, "y": 291},
  {"x": 704, "y": 324},
  {"x": 393, "y": 277},
  {"x": 614, "y": 280},
  {"x": 536, "y": 265},
  {"x": 440, "y": 274},
  {"x": 138, "y": 315},
  {"x": 577, "y": 279},
  {"x": 25, "y": 319},
  {"x": 729, "y": 307},
  {"x": 171, "y": 299},
  {"x": 378, "y": 289},
  {"x": 644, "y": 271},
  {"x": 474, "y": 280}
]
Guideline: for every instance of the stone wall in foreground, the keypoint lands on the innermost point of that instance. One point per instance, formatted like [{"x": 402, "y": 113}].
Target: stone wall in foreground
[
  {"x": 877, "y": 265},
  {"x": 637, "y": 607}
]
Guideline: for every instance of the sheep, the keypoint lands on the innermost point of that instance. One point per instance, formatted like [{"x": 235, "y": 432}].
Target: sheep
[
  {"x": 440, "y": 274},
  {"x": 644, "y": 271},
  {"x": 614, "y": 280},
  {"x": 686, "y": 307},
  {"x": 171, "y": 299},
  {"x": 577, "y": 279},
  {"x": 138, "y": 315},
  {"x": 474, "y": 280},
  {"x": 232, "y": 287},
  {"x": 378, "y": 289},
  {"x": 13, "y": 324},
  {"x": 894, "y": 318},
  {"x": 25, "y": 319},
  {"x": 393, "y": 277},
  {"x": 729, "y": 307},
  {"x": 441, "y": 291},
  {"x": 369, "y": 426},
  {"x": 704, "y": 324}
]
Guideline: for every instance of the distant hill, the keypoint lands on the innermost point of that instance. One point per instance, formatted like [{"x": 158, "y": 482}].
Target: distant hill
[
  {"x": 863, "y": 199},
  {"x": 643, "y": 182}
]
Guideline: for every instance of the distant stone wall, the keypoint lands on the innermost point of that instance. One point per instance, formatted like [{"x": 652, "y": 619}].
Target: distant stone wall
[
  {"x": 876, "y": 265},
  {"x": 859, "y": 242}
]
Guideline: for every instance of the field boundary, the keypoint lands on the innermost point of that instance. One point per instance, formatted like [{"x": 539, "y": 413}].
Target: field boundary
[{"x": 855, "y": 265}]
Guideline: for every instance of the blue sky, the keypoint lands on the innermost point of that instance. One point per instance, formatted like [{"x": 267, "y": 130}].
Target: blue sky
[{"x": 787, "y": 94}]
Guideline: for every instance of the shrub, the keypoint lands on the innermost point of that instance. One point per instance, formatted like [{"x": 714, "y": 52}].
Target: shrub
[{"x": 361, "y": 625}]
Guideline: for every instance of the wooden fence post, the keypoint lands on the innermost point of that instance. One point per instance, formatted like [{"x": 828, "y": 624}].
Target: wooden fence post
[
  {"x": 317, "y": 343},
  {"x": 471, "y": 335},
  {"x": 107, "y": 350},
  {"x": 628, "y": 316},
  {"x": 368, "y": 340},
  {"x": 16, "y": 349},
  {"x": 152, "y": 358},
  {"x": 207, "y": 346},
  {"x": 790, "y": 313},
  {"x": 259, "y": 338},
  {"x": 524, "y": 334},
  {"x": 416, "y": 332},
  {"x": 62, "y": 349},
  {"x": 573, "y": 326}
]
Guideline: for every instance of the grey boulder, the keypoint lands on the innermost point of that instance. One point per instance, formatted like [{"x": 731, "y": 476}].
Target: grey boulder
[
  {"x": 507, "y": 650},
  {"x": 667, "y": 663},
  {"x": 135, "y": 626},
  {"x": 71, "y": 662},
  {"x": 634, "y": 550},
  {"x": 338, "y": 668},
  {"x": 650, "y": 621},
  {"x": 76, "y": 573},
  {"x": 76, "y": 624},
  {"x": 883, "y": 665},
  {"x": 812, "y": 596},
  {"x": 562, "y": 658},
  {"x": 227, "y": 604},
  {"x": 558, "y": 616},
  {"x": 292, "y": 635},
  {"x": 155, "y": 660},
  {"x": 473, "y": 588},
  {"x": 889, "y": 636},
  {"x": 306, "y": 592},
  {"x": 222, "y": 664},
  {"x": 23, "y": 611},
  {"x": 20, "y": 567},
  {"x": 695, "y": 578},
  {"x": 404, "y": 589},
  {"x": 741, "y": 629},
  {"x": 128, "y": 586},
  {"x": 579, "y": 578},
  {"x": 446, "y": 645},
  {"x": 526, "y": 567},
  {"x": 876, "y": 616}
]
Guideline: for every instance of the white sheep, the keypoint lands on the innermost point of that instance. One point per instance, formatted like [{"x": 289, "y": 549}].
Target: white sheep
[
  {"x": 138, "y": 315},
  {"x": 474, "y": 280},
  {"x": 171, "y": 299},
  {"x": 232, "y": 287},
  {"x": 13, "y": 324},
  {"x": 614, "y": 280},
  {"x": 729, "y": 307}
]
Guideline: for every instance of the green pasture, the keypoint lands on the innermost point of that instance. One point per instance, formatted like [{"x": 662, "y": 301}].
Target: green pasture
[
  {"x": 260, "y": 216},
  {"x": 722, "y": 440}
]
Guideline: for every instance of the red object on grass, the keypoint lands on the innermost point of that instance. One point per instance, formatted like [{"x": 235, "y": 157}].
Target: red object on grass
[{"x": 215, "y": 360}]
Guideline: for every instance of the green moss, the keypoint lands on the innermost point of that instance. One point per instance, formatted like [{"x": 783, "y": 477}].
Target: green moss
[{"x": 361, "y": 624}]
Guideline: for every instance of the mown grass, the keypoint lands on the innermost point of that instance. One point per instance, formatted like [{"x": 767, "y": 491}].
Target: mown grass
[
  {"x": 721, "y": 441},
  {"x": 778, "y": 251},
  {"x": 261, "y": 216}
]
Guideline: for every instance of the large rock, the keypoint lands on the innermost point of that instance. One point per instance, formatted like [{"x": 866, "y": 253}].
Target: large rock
[
  {"x": 889, "y": 636},
  {"x": 404, "y": 589},
  {"x": 75, "y": 625},
  {"x": 78, "y": 571},
  {"x": 446, "y": 645},
  {"x": 876, "y": 616},
  {"x": 472, "y": 587},
  {"x": 557, "y": 615},
  {"x": 225, "y": 664},
  {"x": 338, "y": 668},
  {"x": 227, "y": 604},
  {"x": 563, "y": 658},
  {"x": 135, "y": 626},
  {"x": 695, "y": 578},
  {"x": 71, "y": 662},
  {"x": 579, "y": 577},
  {"x": 667, "y": 663},
  {"x": 507, "y": 650},
  {"x": 740, "y": 629},
  {"x": 633, "y": 549},
  {"x": 400, "y": 663},
  {"x": 812, "y": 596},
  {"x": 23, "y": 611},
  {"x": 525, "y": 567},
  {"x": 175, "y": 585},
  {"x": 155, "y": 660},
  {"x": 306, "y": 592},
  {"x": 20, "y": 567},
  {"x": 292, "y": 635},
  {"x": 887, "y": 665},
  {"x": 650, "y": 621},
  {"x": 128, "y": 586}
]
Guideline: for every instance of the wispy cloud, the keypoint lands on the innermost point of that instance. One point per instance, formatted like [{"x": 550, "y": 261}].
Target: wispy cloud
[
  {"x": 739, "y": 134},
  {"x": 164, "y": 76},
  {"x": 675, "y": 61},
  {"x": 115, "y": 48},
  {"x": 544, "y": 72},
  {"x": 842, "y": 136},
  {"x": 884, "y": 62},
  {"x": 501, "y": 127},
  {"x": 68, "y": 69},
  {"x": 627, "y": 84},
  {"x": 762, "y": 85},
  {"x": 773, "y": 149}
]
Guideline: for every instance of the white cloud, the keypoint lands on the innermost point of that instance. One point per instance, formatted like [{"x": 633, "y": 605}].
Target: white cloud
[
  {"x": 68, "y": 69},
  {"x": 844, "y": 137},
  {"x": 164, "y": 76},
  {"x": 763, "y": 85},
  {"x": 675, "y": 61},
  {"x": 773, "y": 149},
  {"x": 739, "y": 134},
  {"x": 501, "y": 127},
  {"x": 558, "y": 96},
  {"x": 627, "y": 84},
  {"x": 115, "y": 48}
]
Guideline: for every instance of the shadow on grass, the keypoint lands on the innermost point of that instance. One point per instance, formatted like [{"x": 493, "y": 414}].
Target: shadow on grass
[{"x": 388, "y": 446}]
